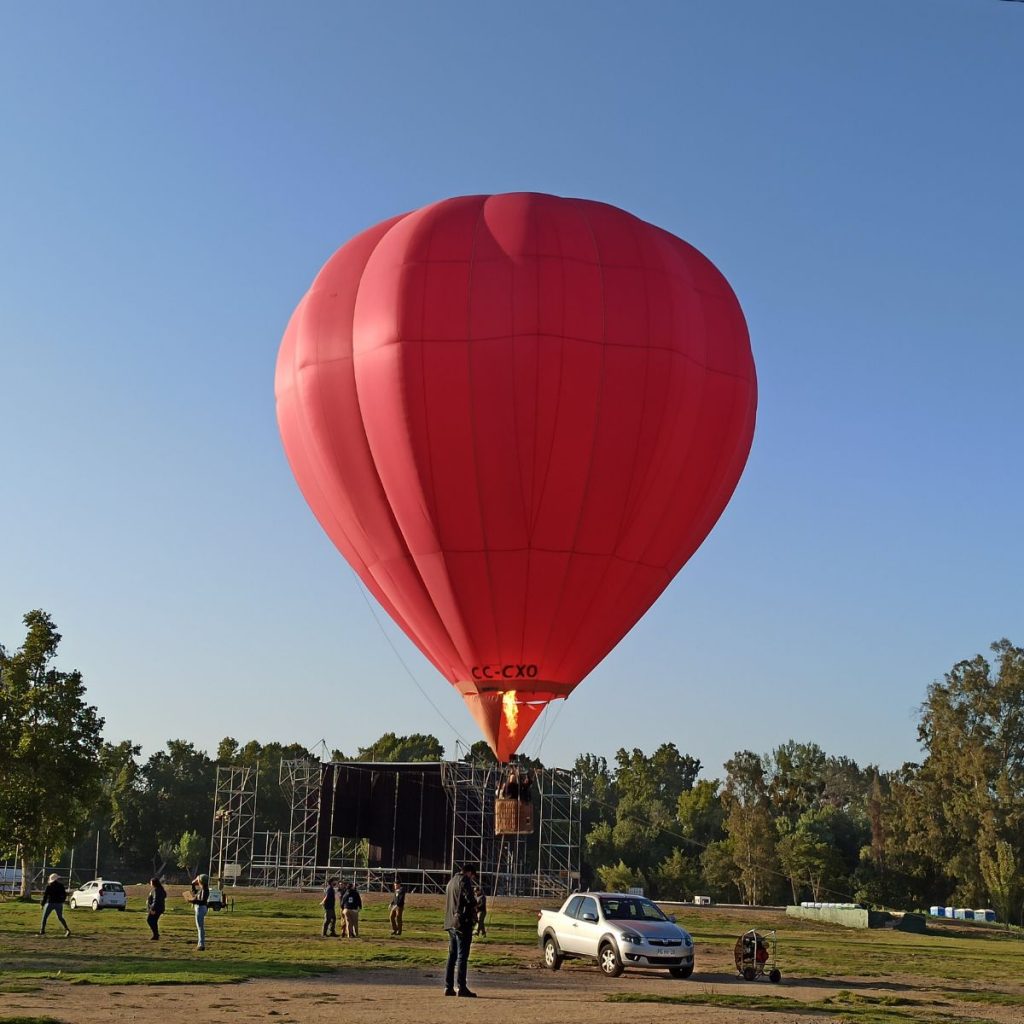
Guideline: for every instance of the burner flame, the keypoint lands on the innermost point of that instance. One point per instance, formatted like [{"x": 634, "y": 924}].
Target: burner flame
[{"x": 510, "y": 709}]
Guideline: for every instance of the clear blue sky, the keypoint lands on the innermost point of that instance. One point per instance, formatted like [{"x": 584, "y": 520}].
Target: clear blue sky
[{"x": 174, "y": 175}]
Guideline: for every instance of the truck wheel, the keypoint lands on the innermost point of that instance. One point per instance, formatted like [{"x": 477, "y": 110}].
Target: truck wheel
[
  {"x": 552, "y": 958},
  {"x": 681, "y": 972},
  {"x": 608, "y": 959}
]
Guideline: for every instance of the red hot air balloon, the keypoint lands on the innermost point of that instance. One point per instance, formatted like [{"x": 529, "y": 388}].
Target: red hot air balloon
[{"x": 517, "y": 417}]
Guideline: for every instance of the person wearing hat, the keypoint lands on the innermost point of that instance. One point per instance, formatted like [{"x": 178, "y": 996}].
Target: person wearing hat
[
  {"x": 54, "y": 896},
  {"x": 200, "y": 900},
  {"x": 459, "y": 918}
]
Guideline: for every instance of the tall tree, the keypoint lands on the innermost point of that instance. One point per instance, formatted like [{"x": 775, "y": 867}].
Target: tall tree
[
  {"x": 49, "y": 747},
  {"x": 417, "y": 747},
  {"x": 179, "y": 785},
  {"x": 750, "y": 826},
  {"x": 810, "y": 854},
  {"x": 643, "y": 831},
  {"x": 972, "y": 779}
]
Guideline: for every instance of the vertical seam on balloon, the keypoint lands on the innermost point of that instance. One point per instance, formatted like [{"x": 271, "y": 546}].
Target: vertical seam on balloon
[
  {"x": 685, "y": 460},
  {"x": 633, "y": 496},
  {"x": 688, "y": 363},
  {"x": 593, "y": 441},
  {"x": 421, "y": 351},
  {"x": 322, "y": 406},
  {"x": 473, "y": 421},
  {"x": 529, "y": 506},
  {"x": 305, "y": 433},
  {"x": 539, "y": 501}
]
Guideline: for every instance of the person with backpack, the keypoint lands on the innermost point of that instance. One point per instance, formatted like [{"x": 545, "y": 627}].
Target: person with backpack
[{"x": 351, "y": 904}]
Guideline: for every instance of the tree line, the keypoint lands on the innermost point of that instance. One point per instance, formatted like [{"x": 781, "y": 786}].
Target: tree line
[{"x": 794, "y": 823}]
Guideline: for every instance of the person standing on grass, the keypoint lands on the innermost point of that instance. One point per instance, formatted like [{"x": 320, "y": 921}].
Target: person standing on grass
[
  {"x": 54, "y": 896},
  {"x": 328, "y": 903},
  {"x": 156, "y": 904},
  {"x": 397, "y": 908},
  {"x": 459, "y": 918},
  {"x": 200, "y": 900},
  {"x": 351, "y": 904},
  {"x": 481, "y": 910}
]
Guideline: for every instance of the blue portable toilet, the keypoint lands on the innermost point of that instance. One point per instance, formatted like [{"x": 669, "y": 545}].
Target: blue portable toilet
[{"x": 984, "y": 915}]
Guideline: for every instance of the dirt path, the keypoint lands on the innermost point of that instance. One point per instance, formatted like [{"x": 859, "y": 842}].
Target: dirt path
[{"x": 575, "y": 995}]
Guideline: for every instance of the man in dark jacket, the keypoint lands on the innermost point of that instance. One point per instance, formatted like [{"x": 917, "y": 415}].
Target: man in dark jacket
[
  {"x": 459, "y": 919},
  {"x": 54, "y": 896},
  {"x": 328, "y": 903}
]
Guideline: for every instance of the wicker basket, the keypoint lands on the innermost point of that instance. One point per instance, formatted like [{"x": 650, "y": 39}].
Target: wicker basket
[{"x": 512, "y": 817}]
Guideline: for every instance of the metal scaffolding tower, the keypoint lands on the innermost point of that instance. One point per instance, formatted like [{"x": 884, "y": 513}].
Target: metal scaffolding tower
[
  {"x": 301, "y": 780},
  {"x": 560, "y": 835},
  {"x": 470, "y": 790},
  {"x": 269, "y": 859},
  {"x": 234, "y": 821}
]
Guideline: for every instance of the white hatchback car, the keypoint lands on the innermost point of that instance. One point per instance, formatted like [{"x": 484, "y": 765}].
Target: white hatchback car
[{"x": 99, "y": 894}]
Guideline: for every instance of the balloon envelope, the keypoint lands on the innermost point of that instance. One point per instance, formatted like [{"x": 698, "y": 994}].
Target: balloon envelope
[{"x": 517, "y": 417}]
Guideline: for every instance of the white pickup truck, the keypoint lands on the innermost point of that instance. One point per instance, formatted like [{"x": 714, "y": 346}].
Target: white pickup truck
[{"x": 617, "y": 930}]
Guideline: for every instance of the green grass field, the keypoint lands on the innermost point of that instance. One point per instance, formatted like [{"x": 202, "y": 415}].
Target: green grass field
[
  {"x": 278, "y": 935},
  {"x": 265, "y": 935}
]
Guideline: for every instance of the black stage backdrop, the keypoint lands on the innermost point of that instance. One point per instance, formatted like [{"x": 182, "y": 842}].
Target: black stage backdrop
[{"x": 402, "y": 809}]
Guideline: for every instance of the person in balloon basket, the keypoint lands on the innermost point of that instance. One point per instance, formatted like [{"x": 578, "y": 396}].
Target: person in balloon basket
[
  {"x": 156, "y": 904},
  {"x": 460, "y": 910},
  {"x": 329, "y": 903},
  {"x": 351, "y": 904},
  {"x": 200, "y": 900},
  {"x": 54, "y": 896},
  {"x": 525, "y": 787},
  {"x": 509, "y": 789},
  {"x": 397, "y": 908}
]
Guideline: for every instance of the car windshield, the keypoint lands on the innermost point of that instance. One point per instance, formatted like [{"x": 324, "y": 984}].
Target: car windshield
[
  {"x": 630, "y": 909},
  {"x": 113, "y": 886}
]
